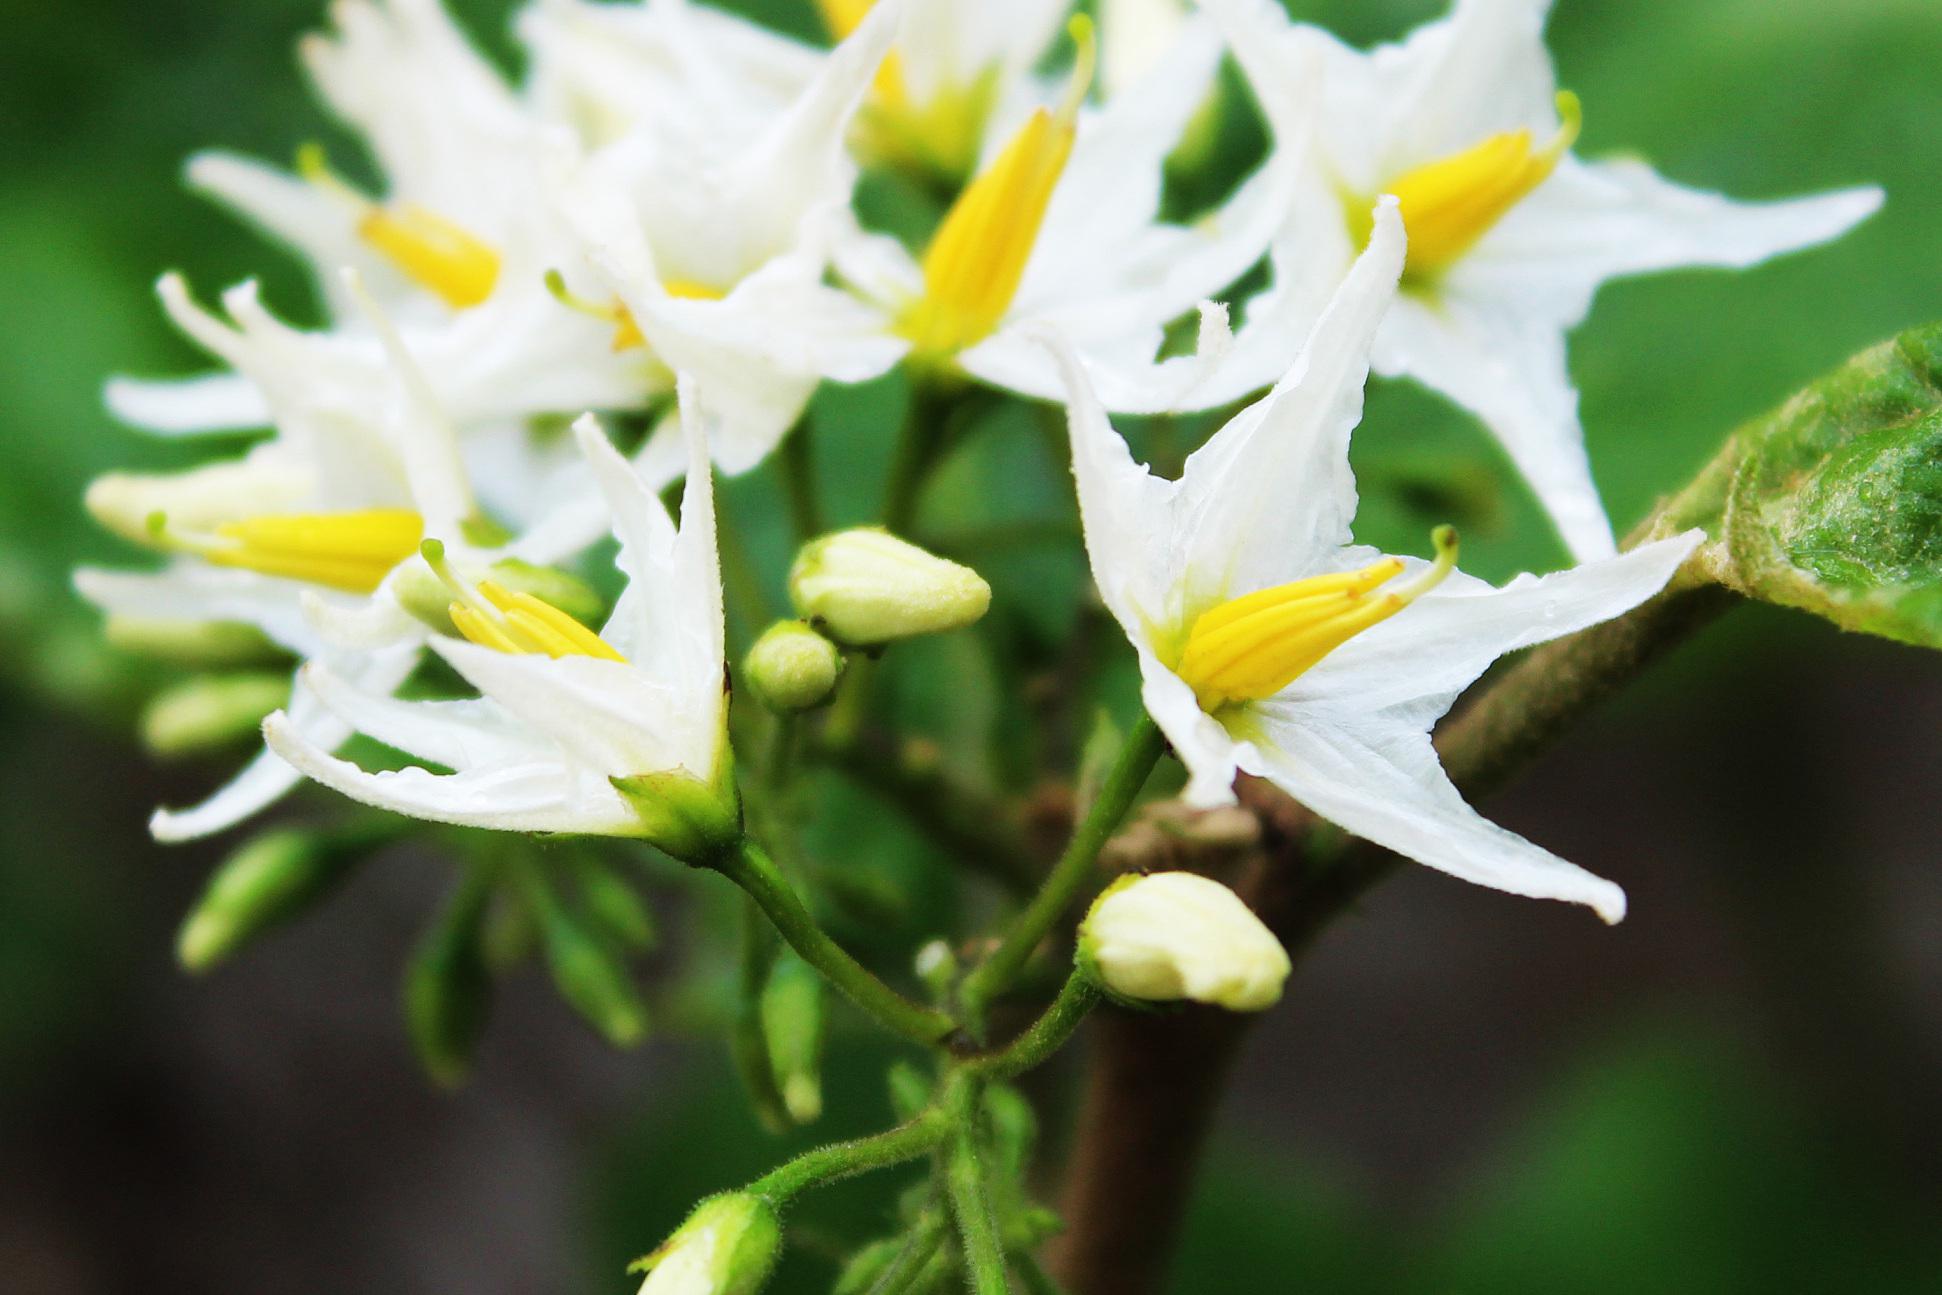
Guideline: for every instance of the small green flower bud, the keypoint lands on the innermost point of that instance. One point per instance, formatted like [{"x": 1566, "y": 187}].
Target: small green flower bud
[
  {"x": 210, "y": 712},
  {"x": 192, "y": 643},
  {"x": 870, "y": 587},
  {"x": 1177, "y": 935},
  {"x": 420, "y": 591},
  {"x": 792, "y": 667},
  {"x": 270, "y": 879},
  {"x": 448, "y": 985},
  {"x": 727, "y": 1247},
  {"x": 590, "y": 975},
  {"x": 793, "y": 1021},
  {"x": 936, "y": 966}
]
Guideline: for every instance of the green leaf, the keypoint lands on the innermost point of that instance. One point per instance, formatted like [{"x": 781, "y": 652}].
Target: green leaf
[{"x": 1833, "y": 504}]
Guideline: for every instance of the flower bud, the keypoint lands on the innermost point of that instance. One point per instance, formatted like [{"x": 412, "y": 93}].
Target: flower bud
[
  {"x": 209, "y": 712},
  {"x": 792, "y": 667},
  {"x": 448, "y": 984},
  {"x": 793, "y": 1023},
  {"x": 1175, "y": 935},
  {"x": 270, "y": 879},
  {"x": 867, "y": 586},
  {"x": 590, "y": 974},
  {"x": 191, "y": 643},
  {"x": 727, "y": 1247}
]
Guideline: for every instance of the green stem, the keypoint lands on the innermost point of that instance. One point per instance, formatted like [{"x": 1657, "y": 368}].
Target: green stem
[
  {"x": 748, "y": 1041},
  {"x": 798, "y": 464},
  {"x": 1047, "y": 1034},
  {"x": 1070, "y": 874},
  {"x": 918, "y": 442},
  {"x": 984, "y": 1254},
  {"x": 750, "y": 868},
  {"x": 918, "y": 1250},
  {"x": 845, "y": 1159}
]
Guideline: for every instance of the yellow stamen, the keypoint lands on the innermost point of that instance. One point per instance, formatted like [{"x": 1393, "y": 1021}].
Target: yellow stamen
[
  {"x": 978, "y": 254},
  {"x": 691, "y": 290},
  {"x": 627, "y": 333},
  {"x": 436, "y": 253},
  {"x": 844, "y": 16},
  {"x": 1252, "y": 647},
  {"x": 511, "y": 621},
  {"x": 1449, "y": 204},
  {"x": 352, "y": 551}
]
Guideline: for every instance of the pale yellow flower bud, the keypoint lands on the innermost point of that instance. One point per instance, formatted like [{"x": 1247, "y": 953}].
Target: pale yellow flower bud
[
  {"x": 867, "y": 586},
  {"x": 792, "y": 667},
  {"x": 1178, "y": 935}
]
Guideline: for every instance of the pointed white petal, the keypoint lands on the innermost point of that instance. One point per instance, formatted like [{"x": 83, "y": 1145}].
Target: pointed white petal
[
  {"x": 1508, "y": 368},
  {"x": 213, "y": 403},
  {"x": 516, "y": 798},
  {"x": 1435, "y": 648},
  {"x": 318, "y": 225},
  {"x": 1593, "y": 221},
  {"x": 1383, "y": 782},
  {"x": 1270, "y": 495},
  {"x": 1210, "y": 754},
  {"x": 191, "y": 590},
  {"x": 460, "y": 735}
]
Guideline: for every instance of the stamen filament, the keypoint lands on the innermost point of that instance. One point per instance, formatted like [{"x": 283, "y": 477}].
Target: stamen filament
[
  {"x": 1252, "y": 647},
  {"x": 510, "y": 620}
]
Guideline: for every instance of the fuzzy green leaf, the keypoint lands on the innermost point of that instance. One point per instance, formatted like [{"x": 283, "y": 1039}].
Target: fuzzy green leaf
[{"x": 1833, "y": 504}]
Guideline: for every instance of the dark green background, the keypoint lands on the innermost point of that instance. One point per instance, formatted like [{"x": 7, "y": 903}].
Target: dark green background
[{"x": 1731, "y": 1092}]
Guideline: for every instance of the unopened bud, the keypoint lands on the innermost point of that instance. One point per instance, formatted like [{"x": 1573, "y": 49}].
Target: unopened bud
[
  {"x": 727, "y": 1247},
  {"x": 1178, "y": 935},
  {"x": 867, "y": 586},
  {"x": 792, "y": 667},
  {"x": 448, "y": 985},
  {"x": 792, "y": 1020},
  {"x": 937, "y": 966},
  {"x": 268, "y": 880},
  {"x": 210, "y": 712},
  {"x": 591, "y": 975},
  {"x": 191, "y": 643}
]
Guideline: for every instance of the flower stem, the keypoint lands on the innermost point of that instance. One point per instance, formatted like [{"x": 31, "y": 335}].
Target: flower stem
[
  {"x": 798, "y": 464},
  {"x": 747, "y": 1041},
  {"x": 845, "y": 1159},
  {"x": 1047, "y": 1034},
  {"x": 918, "y": 442},
  {"x": 749, "y": 867},
  {"x": 1070, "y": 874},
  {"x": 984, "y": 1254}
]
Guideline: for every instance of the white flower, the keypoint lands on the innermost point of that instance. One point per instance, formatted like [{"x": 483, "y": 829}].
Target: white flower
[
  {"x": 1061, "y": 228},
  {"x": 620, "y": 733},
  {"x": 1269, "y": 644},
  {"x": 306, "y": 530},
  {"x": 1510, "y": 233},
  {"x": 457, "y": 249},
  {"x": 1175, "y": 935}
]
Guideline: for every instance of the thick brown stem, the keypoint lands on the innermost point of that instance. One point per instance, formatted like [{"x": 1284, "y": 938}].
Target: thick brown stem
[{"x": 1156, "y": 1080}]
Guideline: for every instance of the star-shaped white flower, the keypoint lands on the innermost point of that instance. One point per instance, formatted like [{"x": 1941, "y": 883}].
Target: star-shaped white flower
[
  {"x": 456, "y": 249},
  {"x": 1510, "y": 233},
  {"x": 307, "y": 531},
  {"x": 1268, "y": 643},
  {"x": 623, "y": 733}
]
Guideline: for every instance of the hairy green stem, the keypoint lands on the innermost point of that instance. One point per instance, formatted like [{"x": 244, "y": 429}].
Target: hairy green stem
[
  {"x": 749, "y": 867},
  {"x": 1046, "y": 1035},
  {"x": 914, "y": 1259},
  {"x": 1142, "y": 750},
  {"x": 840, "y": 1160},
  {"x": 984, "y": 1253}
]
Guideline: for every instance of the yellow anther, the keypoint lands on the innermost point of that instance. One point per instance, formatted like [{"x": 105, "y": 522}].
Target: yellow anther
[
  {"x": 352, "y": 551},
  {"x": 436, "y": 253},
  {"x": 842, "y": 17},
  {"x": 511, "y": 621},
  {"x": 1449, "y": 204},
  {"x": 978, "y": 255},
  {"x": 1252, "y": 647},
  {"x": 691, "y": 290},
  {"x": 627, "y": 333}
]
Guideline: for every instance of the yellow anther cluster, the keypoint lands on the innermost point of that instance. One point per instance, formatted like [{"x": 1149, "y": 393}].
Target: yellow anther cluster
[
  {"x": 1252, "y": 647},
  {"x": 1449, "y": 204},
  {"x": 436, "y": 253},
  {"x": 510, "y": 620},
  {"x": 978, "y": 255},
  {"x": 352, "y": 551}
]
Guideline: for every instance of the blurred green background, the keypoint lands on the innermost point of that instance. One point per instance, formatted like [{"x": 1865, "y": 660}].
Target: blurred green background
[{"x": 1731, "y": 1092}]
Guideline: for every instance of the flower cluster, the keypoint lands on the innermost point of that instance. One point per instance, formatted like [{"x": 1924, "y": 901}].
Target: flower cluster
[{"x": 565, "y": 297}]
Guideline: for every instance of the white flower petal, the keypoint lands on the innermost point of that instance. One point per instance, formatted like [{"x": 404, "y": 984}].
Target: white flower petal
[
  {"x": 1508, "y": 369},
  {"x": 467, "y": 734},
  {"x": 1383, "y": 782},
  {"x": 314, "y": 223},
  {"x": 1239, "y": 515},
  {"x": 1209, "y": 752},
  {"x": 191, "y": 590},
  {"x": 212, "y": 403}
]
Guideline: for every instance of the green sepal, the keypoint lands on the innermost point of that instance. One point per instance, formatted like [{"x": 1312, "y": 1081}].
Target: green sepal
[
  {"x": 1833, "y": 504},
  {"x": 268, "y": 880},
  {"x": 448, "y": 984},
  {"x": 203, "y": 644},
  {"x": 689, "y": 819}
]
